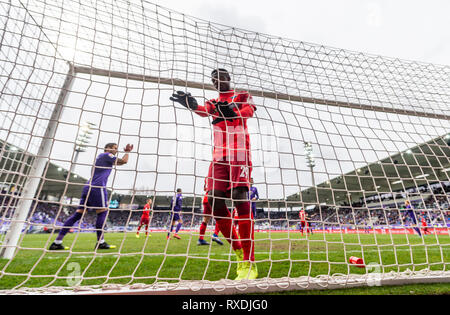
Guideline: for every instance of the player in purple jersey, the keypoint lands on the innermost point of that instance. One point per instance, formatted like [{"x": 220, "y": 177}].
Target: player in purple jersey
[
  {"x": 95, "y": 195},
  {"x": 412, "y": 215},
  {"x": 175, "y": 216},
  {"x": 253, "y": 196}
]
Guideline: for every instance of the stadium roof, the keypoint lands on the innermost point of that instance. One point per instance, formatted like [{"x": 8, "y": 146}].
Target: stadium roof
[
  {"x": 424, "y": 164},
  {"x": 14, "y": 168}
]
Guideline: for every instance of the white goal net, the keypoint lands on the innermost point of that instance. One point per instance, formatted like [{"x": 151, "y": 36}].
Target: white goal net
[{"x": 350, "y": 138}]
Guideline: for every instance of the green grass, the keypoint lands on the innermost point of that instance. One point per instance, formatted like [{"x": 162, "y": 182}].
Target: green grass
[{"x": 146, "y": 260}]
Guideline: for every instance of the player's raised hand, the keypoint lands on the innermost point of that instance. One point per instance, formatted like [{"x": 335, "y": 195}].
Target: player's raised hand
[
  {"x": 225, "y": 111},
  {"x": 185, "y": 99},
  {"x": 128, "y": 148}
]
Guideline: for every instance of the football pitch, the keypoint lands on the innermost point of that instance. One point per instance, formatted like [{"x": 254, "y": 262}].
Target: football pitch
[{"x": 154, "y": 258}]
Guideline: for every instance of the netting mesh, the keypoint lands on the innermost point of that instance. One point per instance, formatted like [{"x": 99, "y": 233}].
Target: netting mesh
[{"x": 378, "y": 129}]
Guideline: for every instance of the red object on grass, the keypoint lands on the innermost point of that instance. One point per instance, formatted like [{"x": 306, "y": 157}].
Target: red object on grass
[{"x": 359, "y": 262}]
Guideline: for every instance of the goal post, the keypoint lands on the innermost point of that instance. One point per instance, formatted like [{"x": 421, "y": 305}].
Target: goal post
[
  {"x": 350, "y": 138},
  {"x": 35, "y": 175}
]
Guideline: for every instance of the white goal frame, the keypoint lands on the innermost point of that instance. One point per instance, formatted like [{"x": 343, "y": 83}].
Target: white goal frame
[{"x": 10, "y": 245}]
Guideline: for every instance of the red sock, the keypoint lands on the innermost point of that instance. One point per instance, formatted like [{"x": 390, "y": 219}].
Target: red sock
[
  {"x": 246, "y": 230},
  {"x": 223, "y": 220},
  {"x": 227, "y": 230},
  {"x": 202, "y": 230},
  {"x": 217, "y": 230}
]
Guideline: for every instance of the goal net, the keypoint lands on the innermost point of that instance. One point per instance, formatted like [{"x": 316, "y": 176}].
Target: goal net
[{"x": 347, "y": 137}]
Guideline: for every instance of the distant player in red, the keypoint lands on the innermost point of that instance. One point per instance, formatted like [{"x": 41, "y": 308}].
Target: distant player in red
[
  {"x": 230, "y": 171},
  {"x": 207, "y": 212},
  {"x": 425, "y": 225},
  {"x": 145, "y": 218},
  {"x": 303, "y": 223}
]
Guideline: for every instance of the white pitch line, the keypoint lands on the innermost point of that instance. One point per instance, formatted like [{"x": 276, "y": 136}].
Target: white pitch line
[{"x": 228, "y": 254}]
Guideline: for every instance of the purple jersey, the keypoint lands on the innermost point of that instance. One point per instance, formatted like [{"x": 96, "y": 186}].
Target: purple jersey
[
  {"x": 94, "y": 193},
  {"x": 411, "y": 213},
  {"x": 253, "y": 193},
  {"x": 102, "y": 169},
  {"x": 178, "y": 203}
]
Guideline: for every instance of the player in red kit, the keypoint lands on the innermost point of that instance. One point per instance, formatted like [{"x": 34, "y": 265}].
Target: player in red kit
[
  {"x": 230, "y": 171},
  {"x": 145, "y": 218},
  {"x": 425, "y": 226},
  {"x": 303, "y": 223}
]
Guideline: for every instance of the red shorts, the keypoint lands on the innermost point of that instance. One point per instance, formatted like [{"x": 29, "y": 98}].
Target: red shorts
[
  {"x": 145, "y": 221},
  {"x": 303, "y": 223},
  {"x": 225, "y": 175}
]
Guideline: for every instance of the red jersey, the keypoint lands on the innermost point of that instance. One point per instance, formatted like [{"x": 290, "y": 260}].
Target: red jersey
[
  {"x": 302, "y": 215},
  {"x": 231, "y": 137},
  {"x": 146, "y": 212},
  {"x": 205, "y": 198},
  {"x": 424, "y": 222}
]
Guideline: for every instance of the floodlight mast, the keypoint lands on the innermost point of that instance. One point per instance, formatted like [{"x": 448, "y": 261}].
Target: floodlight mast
[
  {"x": 310, "y": 160},
  {"x": 83, "y": 138}
]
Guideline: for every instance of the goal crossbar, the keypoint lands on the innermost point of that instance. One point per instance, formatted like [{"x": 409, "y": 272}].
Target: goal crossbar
[{"x": 256, "y": 93}]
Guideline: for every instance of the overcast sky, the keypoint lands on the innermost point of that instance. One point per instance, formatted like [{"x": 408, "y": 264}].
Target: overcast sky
[{"x": 406, "y": 29}]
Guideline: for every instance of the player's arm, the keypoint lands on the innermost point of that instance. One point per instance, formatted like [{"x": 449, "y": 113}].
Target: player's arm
[
  {"x": 124, "y": 159},
  {"x": 256, "y": 195},
  {"x": 204, "y": 111},
  {"x": 245, "y": 105},
  {"x": 188, "y": 101}
]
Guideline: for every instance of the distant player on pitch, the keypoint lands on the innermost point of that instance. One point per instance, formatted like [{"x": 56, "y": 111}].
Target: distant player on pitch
[
  {"x": 145, "y": 218},
  {"x": 230, "y": 171},
  {"x": 410, "y": 212},
  {"x": 175, "y": 205},
  {"x": 425, "y": 225},
  {"x": 253, "y": 196},
  {"x": 95, "y": 195},
  {"x": 303, "y": 224}
]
